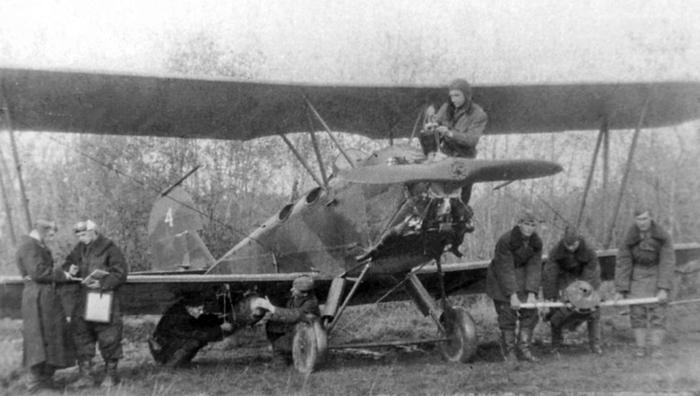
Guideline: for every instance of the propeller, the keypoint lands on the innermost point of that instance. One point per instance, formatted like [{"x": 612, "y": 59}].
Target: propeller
[{"x": 452, "y": 169}]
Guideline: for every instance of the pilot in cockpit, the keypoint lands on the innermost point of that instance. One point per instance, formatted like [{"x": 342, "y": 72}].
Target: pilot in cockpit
[{"x": 455, "y": 131}]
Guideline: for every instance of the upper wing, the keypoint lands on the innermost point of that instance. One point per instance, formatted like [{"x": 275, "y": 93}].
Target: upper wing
[
  {"x": 178, "y": 106},
  {"x": 452, "y": 170}
]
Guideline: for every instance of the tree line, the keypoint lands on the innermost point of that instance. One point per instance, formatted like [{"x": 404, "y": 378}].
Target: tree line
[{"x": 114, "y": 180}]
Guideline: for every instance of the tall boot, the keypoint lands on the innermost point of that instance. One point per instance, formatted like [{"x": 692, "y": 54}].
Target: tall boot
[
  {"x": 508, "y": 346},
  {"x": 111, "y": 375},
  {"x": 557, "y": 336},
  {"x": 640, "y": 335},
  {"x": 656, "y": 338},
  {"x": 47, "y": 373},
  {"x": 594, "y": 335},
  {"x": 524, "y": 345},
  {"x": 32, "y": 380},
  {"x": 85, "y": 378}
]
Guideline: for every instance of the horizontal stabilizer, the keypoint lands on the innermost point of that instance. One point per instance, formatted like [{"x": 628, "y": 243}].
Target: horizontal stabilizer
[{"x": 459, "y": 170}]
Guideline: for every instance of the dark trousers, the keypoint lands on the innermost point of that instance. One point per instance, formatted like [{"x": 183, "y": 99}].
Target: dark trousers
[
  {"x": 568, "y": 319},
  {"x": 281, "y": 342},
  {"x": 508, "y": 318},
  {"x": 108, "y": 337},
  {"x": 177, "y": 352},
  {"x": 654, "y": 314}
]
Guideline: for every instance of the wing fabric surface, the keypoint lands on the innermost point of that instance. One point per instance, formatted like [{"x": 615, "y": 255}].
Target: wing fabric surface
[
  {"x": 452, "y": 170},
  {"x": 221, "y": 108}
]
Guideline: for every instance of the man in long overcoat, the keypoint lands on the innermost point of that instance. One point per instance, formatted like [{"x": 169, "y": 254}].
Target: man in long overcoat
[
  {"x": 513, "y": 276},
  {"x": 95, "y": 252},
  {"x": 644, "y": 268},
  {"x": 46, "y": 343}
]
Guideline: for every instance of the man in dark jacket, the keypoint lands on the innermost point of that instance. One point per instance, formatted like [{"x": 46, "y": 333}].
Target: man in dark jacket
[
  {"x": 571, "y": 260},
  {"x": 302, "y": 306},
  {"x": 46, "y": 342},
  {"x": 644, "y": 268},
  {"x": 101, "y": 265},
  {"x": 456, "y": 131},
  {"x": 184, "y": 329},
  {"x": 513, "y": 276},
  {"x": 460, "y": 124}
]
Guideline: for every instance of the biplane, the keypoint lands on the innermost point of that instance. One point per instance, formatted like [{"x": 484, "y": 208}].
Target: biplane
[{"x": 344, "y": 231}]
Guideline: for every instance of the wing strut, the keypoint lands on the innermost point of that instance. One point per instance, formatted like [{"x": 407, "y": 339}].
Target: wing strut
[
  {"x": 319, "y": 158},
  {"x": 6, "y": 200},
  {"x": 589, "y": 179},
  {"x": 328, "y": 130},
  {"x": 301, "y": 160},
  {"x": 628, "y": 167},
  {"x": 357, "y": 282},
  {"x": 179, "y": 181},
  {"x": 8, "y": 124}
]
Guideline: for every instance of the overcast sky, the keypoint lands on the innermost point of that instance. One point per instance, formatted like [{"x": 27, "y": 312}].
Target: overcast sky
[{"x": 341, "y": 41}]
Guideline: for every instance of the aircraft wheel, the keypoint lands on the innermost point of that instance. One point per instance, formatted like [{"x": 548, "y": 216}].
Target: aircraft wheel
[
  {"x": 321, "y": 339},
  {"x": 461, "y": 332},
  {"x": 308, "y": 346}
]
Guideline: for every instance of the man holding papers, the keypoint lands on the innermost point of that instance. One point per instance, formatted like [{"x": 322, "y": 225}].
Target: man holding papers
[{"x": 96, "y": 317}]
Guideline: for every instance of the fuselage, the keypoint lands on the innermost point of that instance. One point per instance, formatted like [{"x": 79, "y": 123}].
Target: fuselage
[{"x": 327, "y": 229}]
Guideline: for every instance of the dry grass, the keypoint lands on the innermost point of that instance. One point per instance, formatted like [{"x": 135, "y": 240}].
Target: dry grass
[{"x": 239, "y": 365}]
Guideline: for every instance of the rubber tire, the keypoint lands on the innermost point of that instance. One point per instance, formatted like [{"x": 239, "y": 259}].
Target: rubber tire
[
  {"x": 308, "y": 346},
  {"x": 461, "y": 330}
]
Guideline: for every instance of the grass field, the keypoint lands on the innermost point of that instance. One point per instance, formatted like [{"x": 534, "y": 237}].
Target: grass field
[{"x": 239, "y": 365}]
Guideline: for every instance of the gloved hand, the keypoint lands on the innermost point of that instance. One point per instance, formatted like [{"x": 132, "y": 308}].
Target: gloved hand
[
  {"x": 531, "y": 299},
  {"x": 444, "y": 131},
  {"x": 264, "y": 303},
  {"x": 618, "y": 296},
  {"x": 514, "y": 301},
  {"x": 93, "y": 284},
  {"x": 662, "y": 295}
]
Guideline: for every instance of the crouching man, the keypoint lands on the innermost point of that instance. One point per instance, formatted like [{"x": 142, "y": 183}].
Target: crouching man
[
  {"x": 571, "y": 261},
  {"x": 302, "y": 306},
  {"x": 183, "y": 330}
]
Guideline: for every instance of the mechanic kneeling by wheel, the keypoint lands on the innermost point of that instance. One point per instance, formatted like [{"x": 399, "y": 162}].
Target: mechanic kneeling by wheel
[{"x": 280, "y": 327}]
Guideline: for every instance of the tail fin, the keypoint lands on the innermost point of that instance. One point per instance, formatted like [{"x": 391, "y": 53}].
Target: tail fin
[{"x": 172, "y": 231}]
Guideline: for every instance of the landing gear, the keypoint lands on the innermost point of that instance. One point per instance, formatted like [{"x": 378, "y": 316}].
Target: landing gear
[
  {"x": 309, "y": 346},
  {"x": 460, "y": 329},
  {"x": 454, "y": 323}
]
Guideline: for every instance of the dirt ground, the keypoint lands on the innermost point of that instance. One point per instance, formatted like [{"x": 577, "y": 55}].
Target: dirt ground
[{"x": 239, "y": 365}]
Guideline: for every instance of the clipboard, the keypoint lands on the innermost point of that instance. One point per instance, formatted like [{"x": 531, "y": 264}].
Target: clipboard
[
  {"x": 98, "y": 306},
  {"x": 96, "y": 275}
]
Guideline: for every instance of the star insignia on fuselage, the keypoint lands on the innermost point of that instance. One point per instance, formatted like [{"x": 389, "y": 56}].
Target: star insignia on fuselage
[{"x": 459, "y": 170}]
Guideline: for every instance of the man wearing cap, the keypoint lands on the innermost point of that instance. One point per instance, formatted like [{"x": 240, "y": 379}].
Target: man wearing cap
[
  {"x": 302, "y": 306},
  {"x": 184, "y": 329},
  {"x": 461, "y": 121},
  {"x": 570, "y": 260},
  {"x": 460, "y": 124},
  {"x": 95, "y": 254},
  {"x": 513, "y": 276},
  {"x": 46, "y": 343},
  {"x": 644, "y": 268}
]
